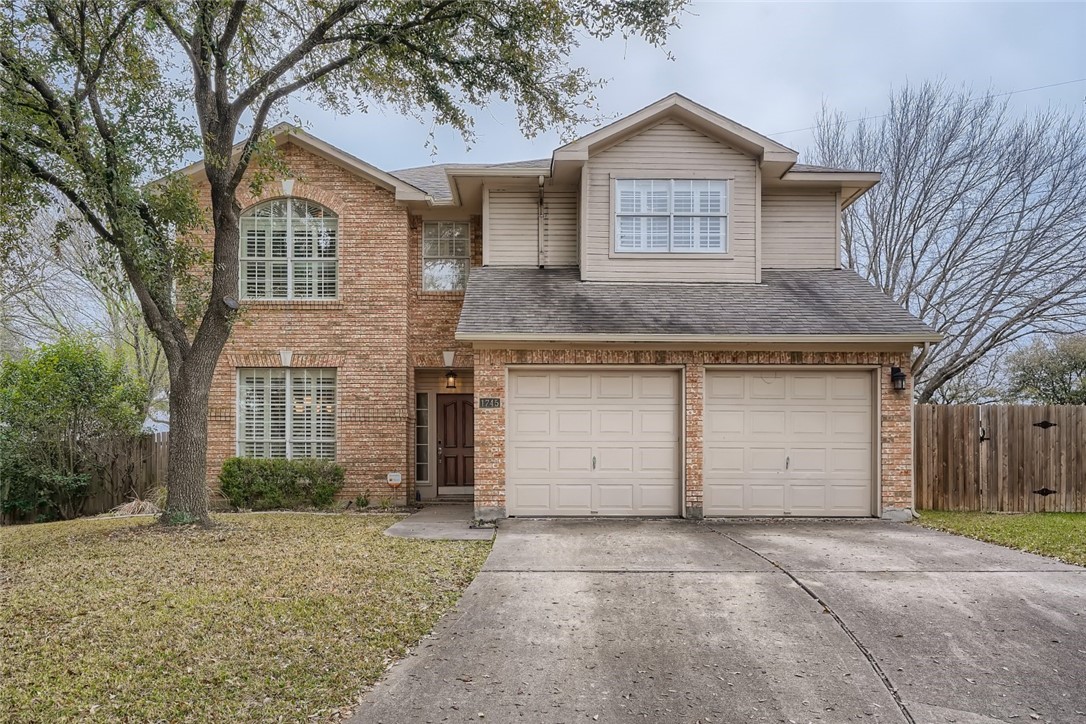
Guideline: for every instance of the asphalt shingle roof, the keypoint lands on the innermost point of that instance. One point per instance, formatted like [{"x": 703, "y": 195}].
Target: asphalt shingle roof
[
  {"x": 432, "y": 178},
  {"x": 506, "y": 301}
]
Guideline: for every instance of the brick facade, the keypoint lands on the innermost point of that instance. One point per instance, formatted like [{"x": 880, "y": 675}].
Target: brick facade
[
  {"x": 895, "y": 410},
  {"x": 363, "y": 333}
]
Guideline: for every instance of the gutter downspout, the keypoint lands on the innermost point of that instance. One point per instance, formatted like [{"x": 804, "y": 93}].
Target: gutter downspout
[{"x": 539, "y": 226}]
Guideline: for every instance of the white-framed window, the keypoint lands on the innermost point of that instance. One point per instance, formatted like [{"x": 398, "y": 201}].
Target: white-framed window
[
  {"x": 287, "y": 413},
  {"x": 446, "y": 256},
  {"x": 671, "y": 215},
  {"x": 422, "y": 437},
  {"x": 289, "y": 251}
]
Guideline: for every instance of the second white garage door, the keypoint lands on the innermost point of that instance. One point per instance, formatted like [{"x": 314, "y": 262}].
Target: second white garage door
[
  {"x": 788, "y": 443},
  {"x": 582, "y": 442}
]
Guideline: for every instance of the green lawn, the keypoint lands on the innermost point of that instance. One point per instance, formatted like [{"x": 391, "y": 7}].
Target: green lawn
[
  {"x": 272, "y": 617},
  {"x": 1059, "y": 535}
]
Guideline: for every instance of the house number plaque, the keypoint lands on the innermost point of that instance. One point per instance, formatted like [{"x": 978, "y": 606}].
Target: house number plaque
[{"x": 490, "y": 403}]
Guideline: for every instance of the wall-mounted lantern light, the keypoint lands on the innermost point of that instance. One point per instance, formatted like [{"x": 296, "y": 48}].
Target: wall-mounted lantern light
[
  {"x": 449, "y": 357},
  {"x": 897, "y": 377}
]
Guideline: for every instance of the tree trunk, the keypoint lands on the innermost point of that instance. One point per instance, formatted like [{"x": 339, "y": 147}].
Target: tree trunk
[
  {"x": 186, "y": 496},
  {"x": 186, "y": 485}
]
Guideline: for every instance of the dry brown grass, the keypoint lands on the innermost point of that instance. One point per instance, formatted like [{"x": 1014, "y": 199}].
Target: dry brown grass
[{"x": 262, "y": 618}]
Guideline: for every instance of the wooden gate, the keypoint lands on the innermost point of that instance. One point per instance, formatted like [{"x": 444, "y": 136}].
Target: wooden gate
[{"x": 1021, "y": 458}]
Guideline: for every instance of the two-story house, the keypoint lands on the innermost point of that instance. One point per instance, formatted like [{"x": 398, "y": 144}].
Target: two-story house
[{"x": 653, "y": 321}]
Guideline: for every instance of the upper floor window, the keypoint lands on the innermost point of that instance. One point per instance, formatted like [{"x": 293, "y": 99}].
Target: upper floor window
[
  {"x": 288, "y": 251},
  {"x": 671, "y": 215},
  {"x": 446, "y": 254}
]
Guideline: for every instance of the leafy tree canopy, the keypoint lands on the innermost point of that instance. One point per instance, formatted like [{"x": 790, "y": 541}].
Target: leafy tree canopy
[
  {"x": 1051, "y": 373},
  {"x": 103, "y": 95}
]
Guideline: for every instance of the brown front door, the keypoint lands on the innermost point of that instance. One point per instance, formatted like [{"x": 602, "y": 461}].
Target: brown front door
[{"x": 455, "y": 440}]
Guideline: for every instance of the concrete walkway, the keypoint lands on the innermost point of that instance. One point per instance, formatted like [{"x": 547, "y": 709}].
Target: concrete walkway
[
  {"x": 673, "y": 621},
  {"x": 442, "y": 521}
]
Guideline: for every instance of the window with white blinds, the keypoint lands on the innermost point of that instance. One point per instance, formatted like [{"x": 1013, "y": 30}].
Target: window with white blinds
[
  {"x": 289, "y": 251},
  {"x": 671, "y": 215},
  {"x": 287, "y": 413}
]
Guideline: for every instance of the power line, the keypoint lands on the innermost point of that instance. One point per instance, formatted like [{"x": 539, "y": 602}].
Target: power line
[{"x": 993, "y": 95}]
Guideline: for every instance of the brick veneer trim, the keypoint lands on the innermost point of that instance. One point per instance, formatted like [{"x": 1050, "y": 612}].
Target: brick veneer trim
[{"x": 894, "y": 412}]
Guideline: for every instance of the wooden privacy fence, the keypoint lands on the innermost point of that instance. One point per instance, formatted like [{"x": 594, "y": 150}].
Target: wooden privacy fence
[
  {"x": 135, "y": 471},
  {"x": 1021, "y": 458}
]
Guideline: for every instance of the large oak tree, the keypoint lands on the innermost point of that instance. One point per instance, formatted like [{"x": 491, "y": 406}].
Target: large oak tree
[{"x": 103, "y": 96}]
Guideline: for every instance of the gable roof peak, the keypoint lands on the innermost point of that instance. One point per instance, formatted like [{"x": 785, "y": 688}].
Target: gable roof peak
[{"x": 691, "y": 113}]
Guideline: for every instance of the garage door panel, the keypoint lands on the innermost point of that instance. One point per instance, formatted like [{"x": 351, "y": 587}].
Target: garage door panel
[
  {"x": 628, "y": 421},
  {"x": 850, "y": 387},
  {"x": 532, "y": 497},
  {"x": 656, "y": 498},
  {"x": 721, "y": 386},
  {"x": 573, "y": 497},
  {"x": 615, "y": 459},
  {"x": 766, "y": 422},
  {"x": 572, "y": 459},
  {"x": 616, "y": 421},
  {"x": 526, "y": 458},
  {"x": 808, "y": 460},
  {"x": 659, "y": 424},
  {"x": 531, "y": 386},
  {"x": 720, "y": 459},
  {"x": 616, "y": 497},
  {"x": 853, "y": 423},
  {"x": 793, "y": 443},
  {"x": 724, "y": 423},
  {"x": 765, "y": 459},
  {"x": 616, "y": 386},
  {"x": 856, "y": 462},
  {"x": 765, "y": 499},
  {"x": 767, "y": 387},
  {"x": 658, "y": 459},
  {"x": 531, "y": 422},
  {"x": 573, "y": 386},
  {"x": 808, "y": 499},
  {"x": 809, "y": 387},
  {"x": 661, "y": 387},
  {"x": 809, "y": 422}
]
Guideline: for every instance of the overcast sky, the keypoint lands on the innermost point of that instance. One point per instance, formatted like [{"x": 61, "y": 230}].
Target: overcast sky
[{"x": 771, "y": 65}]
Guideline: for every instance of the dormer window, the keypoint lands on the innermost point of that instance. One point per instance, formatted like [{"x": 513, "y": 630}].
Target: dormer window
[{"x": 671, "y": 216}]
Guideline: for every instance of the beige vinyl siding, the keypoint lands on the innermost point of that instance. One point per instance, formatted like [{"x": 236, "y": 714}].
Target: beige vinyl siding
[
  {"x": 513, "y": 227},
  {"x": 560, "y": 227},
  {"x": 670, "y": 150},
  {"x": 799, "y": 230}
]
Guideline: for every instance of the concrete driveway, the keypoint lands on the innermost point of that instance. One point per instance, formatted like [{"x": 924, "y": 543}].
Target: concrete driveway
[{"x": 791, "y": 621}]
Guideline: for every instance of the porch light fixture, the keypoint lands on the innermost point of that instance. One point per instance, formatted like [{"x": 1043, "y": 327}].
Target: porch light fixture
[
  {"x": 449, "y": 357},
  {"x": 897, "y": 377}
]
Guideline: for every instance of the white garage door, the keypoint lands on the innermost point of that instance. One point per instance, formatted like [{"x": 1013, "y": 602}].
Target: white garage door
[
  {"x": 788, "y": 443},
  {"x": 582, "y": 442}
]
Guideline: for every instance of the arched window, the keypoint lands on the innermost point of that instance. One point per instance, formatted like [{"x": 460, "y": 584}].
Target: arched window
[{"x": 288, "y": 251}]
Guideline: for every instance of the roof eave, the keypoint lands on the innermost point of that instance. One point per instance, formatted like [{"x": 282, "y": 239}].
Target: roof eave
[
  {"x": 285, "y": 132},
  {"x": 913, "y": 338}
]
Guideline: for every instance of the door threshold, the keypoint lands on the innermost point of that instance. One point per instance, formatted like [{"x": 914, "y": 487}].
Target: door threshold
[{"x": 457, "y": 491}]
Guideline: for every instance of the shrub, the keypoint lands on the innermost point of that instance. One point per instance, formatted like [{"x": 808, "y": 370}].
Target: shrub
[
  {"x": 259, "y": 484},
  {"x": 362, "y": 502},
  {"x": 66, "y": 410}
]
